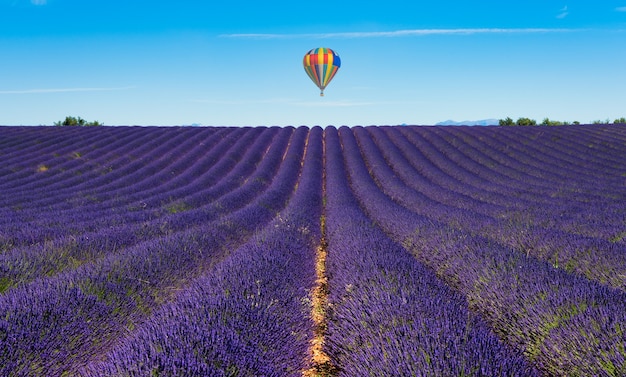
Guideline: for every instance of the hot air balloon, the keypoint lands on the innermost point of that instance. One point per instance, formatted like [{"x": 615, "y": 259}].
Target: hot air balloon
[{"x": 321, "y": 64}]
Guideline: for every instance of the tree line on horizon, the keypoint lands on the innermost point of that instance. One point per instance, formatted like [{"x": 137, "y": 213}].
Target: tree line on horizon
[
  {"x": 508, "y": 121},
  {"x": 76, "y": 121},
  {"x": 522, "y": 121}
]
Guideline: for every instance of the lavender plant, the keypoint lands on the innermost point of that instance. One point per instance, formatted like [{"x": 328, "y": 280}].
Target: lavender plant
[
  {"x": 524, "y": 299},
  {"x": 248, "y": 316},
  {"x": 390, "y": 315},
  {"x": 191, "y": 251}
]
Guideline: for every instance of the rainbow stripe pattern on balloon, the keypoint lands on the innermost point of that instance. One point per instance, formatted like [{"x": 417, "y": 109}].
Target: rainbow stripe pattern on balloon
[{"x": 321, "y": 64}]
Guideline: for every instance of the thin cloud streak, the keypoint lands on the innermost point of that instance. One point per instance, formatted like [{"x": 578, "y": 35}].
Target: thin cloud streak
[
  {"x": 621, "y": 9},
  {"x": 64, "y": 90},
  {"x": 399, "y": 33}
]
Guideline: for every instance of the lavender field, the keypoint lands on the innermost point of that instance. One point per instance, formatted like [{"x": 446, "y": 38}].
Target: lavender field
[{"x": 267, "y": 251}]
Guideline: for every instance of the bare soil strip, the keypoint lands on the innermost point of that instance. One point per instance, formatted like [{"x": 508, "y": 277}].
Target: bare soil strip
[{"x": 321, "y": 363}]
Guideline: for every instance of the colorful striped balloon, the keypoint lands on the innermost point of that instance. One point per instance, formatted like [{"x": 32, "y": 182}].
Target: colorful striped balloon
[{"x": 321, "y": 64}]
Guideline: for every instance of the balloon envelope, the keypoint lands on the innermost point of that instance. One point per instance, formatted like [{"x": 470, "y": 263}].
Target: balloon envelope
[{"x": 321, "y": 64}]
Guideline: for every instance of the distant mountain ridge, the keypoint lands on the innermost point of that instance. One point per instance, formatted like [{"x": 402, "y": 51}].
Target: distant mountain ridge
[{"x": 483, "y": 122}]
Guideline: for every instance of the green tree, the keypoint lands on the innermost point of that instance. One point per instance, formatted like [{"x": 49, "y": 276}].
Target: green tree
[
  {"x": 76, "y": 121},
  {"x": 526, "y": 122},
  {"x": 619, "y": 120},
  {"x": 506, "y": 122},
  {"x": 606, "y": 121},
  {"x": 548, "y": 122}
]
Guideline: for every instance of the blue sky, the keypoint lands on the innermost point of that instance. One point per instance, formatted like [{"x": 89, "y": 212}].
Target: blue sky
[{"x": 125, "y": 62}]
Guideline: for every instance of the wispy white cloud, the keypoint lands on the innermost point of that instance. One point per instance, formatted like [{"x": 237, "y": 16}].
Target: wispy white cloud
[
  {"x": 63, "y": 90},
  {"x": 397, "y": 33},
  {"x": 621, "y": 9},
  {"x": 14, "y": 3},
  {"x": 563, "y": 12}
]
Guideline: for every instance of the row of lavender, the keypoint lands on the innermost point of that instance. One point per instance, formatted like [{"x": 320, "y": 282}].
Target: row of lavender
[
  {"x": 389, "y": 314},
  {"x": 250, "y": 316},
  {"x": 137, "y": 251},
  {"x": 531, "y": 226},
  {"x": 79, "y": 240},
  {"x": 568, "y": 316},
  {"x": 537, "y": 168},
  {"x": 113, "y": 177},
  {"x": 70, "y": 300}
]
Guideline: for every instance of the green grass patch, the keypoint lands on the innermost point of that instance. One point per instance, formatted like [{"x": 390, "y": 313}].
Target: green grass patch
[
  {"x": 177, "y": 207},
  {"x": 5, "y": 283}
]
